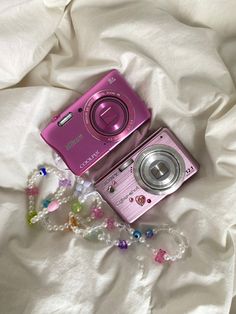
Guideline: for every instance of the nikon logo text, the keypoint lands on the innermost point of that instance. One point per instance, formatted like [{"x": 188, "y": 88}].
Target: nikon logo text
[
  {"x": 90, "y": 159},
  {"x": 73, "y": 142}
]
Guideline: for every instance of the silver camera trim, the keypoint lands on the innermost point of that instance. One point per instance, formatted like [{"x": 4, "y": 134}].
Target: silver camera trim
[{"x": 159, "y": 148}]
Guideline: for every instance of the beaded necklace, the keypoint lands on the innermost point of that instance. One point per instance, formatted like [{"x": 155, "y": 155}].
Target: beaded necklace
[{"x": 92, "y": 224}]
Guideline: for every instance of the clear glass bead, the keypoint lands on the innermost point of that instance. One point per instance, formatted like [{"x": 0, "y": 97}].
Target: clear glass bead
[
  {"x": 179, "y": 255},
  {"x": 101, "y": 237}
]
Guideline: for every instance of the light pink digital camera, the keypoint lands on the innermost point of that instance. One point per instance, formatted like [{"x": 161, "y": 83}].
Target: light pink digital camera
[
  {"x": 96, "y": 123},
  {"x": 158, "y": 167}
]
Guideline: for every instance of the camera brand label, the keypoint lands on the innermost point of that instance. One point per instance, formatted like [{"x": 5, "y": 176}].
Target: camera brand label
[
  {"x": 121, "y": 201},
  {"x": 73, "y": 142},
  {"x": 90, "y": 159}
]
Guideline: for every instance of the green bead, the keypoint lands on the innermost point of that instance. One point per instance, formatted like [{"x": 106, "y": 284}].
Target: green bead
[
  {"x": 76, "y": 207},
  {"x": 30, "y": 215}
]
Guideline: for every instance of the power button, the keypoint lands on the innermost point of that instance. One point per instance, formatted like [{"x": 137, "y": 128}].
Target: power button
[{"x": 126, "y": 164}]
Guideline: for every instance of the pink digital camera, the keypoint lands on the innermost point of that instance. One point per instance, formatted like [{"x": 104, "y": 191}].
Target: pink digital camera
[
  {"x": 97, "y": 122},
  {"x": 158, "y": 167}
]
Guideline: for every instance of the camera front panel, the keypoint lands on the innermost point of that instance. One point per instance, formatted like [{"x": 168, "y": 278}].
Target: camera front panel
[
  {"x": 157, "y": 168},
  {"x": 96, "y": 123}
]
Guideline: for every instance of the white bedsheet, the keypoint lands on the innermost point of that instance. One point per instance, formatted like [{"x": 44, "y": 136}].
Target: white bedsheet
[{"x": 180, "y": 57}]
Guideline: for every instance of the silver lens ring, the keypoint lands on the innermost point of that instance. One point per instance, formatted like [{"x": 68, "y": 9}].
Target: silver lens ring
[{"x": 159, "y": 169}]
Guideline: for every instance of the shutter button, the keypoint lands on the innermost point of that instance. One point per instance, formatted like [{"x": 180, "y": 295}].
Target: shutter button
[{"x": 126, "y": 164}]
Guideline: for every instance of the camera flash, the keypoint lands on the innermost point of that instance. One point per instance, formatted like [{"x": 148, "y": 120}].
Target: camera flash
[{"x": 65, "y": 119}]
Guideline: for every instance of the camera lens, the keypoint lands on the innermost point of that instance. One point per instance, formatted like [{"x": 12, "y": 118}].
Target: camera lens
[
  {"x": 109, "y": 116},
  {"x": 159, "y": 169}
]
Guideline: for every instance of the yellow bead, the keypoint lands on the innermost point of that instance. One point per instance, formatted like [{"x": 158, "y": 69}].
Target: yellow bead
[{"x": 30, "y": 215}]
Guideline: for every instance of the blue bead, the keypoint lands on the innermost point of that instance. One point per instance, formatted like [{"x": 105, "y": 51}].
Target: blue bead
[
  {"x": 137, "y": 234},
  {"x": 43, "y": 171},
  {"x": 45, "y": 203},
  {"x": 149, "y": 233}
]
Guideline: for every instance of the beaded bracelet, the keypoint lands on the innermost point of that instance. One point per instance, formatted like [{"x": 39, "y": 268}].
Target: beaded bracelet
[{"x": 92, "y": 224}]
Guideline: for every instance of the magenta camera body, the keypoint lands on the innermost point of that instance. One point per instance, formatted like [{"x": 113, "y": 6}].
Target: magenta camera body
[
  {"x": 156, "y": 168},
  {"x": 97, "y": 122}
]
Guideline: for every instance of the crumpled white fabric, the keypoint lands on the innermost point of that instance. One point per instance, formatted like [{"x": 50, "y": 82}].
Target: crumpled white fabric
[{"x": 180, "y": 57}]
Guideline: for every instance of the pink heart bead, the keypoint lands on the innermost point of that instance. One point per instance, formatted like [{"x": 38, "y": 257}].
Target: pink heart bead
[{"x": 53, "y": 206}]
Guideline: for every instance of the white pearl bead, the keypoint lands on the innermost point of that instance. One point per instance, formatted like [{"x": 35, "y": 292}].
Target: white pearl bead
[
  {"x": 49, "y": 227},
  {"x": 142, "y": 240},
  {"x": 55, "y": 228},
  {"x": 45, "y": 211},
  {"x": 166, "y": 257}
]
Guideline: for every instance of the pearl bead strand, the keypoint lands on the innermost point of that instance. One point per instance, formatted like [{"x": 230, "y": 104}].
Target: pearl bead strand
[{"x": 85, "y": 226}]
